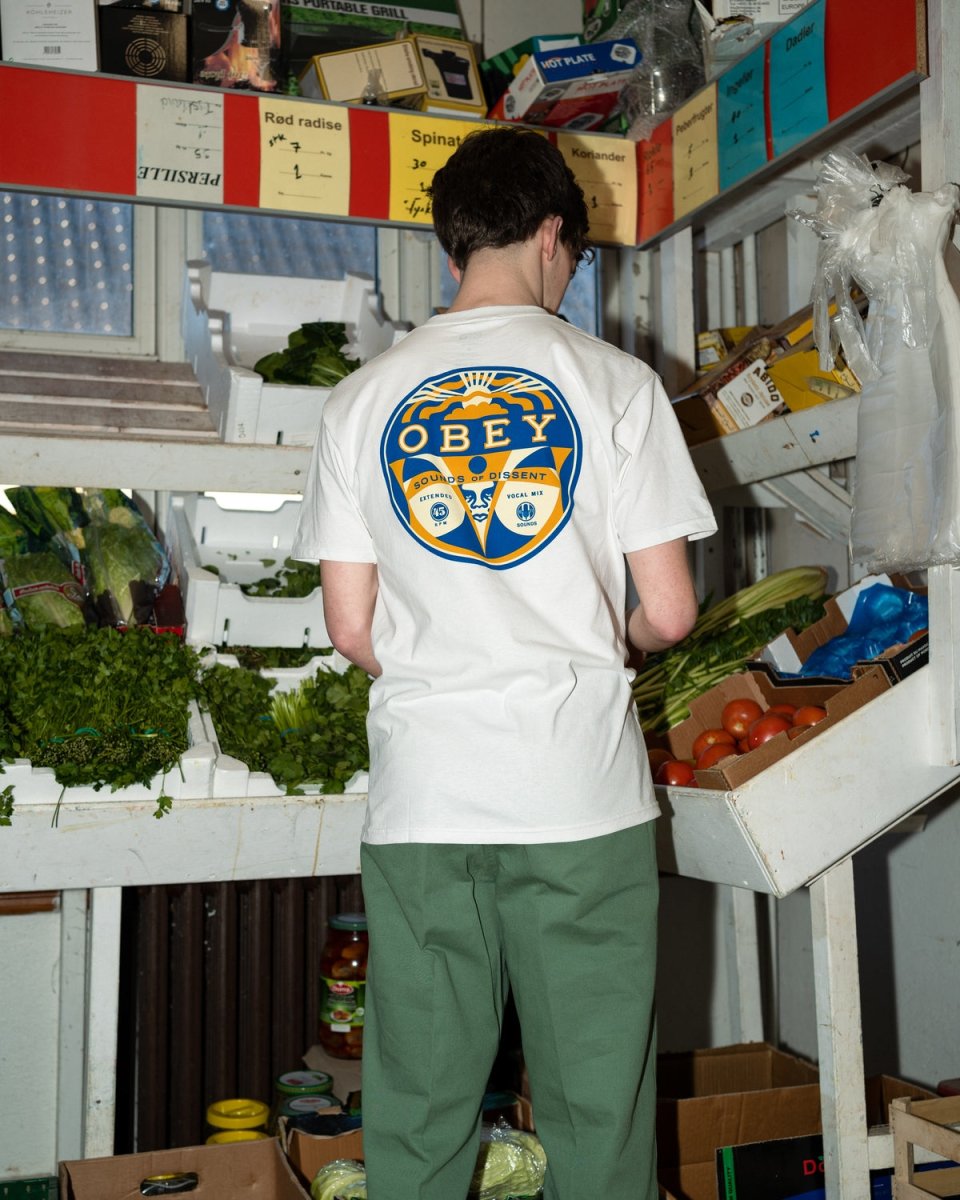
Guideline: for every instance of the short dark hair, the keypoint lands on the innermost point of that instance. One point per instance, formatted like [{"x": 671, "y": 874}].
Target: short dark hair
[{"x": 497, "y": 189}]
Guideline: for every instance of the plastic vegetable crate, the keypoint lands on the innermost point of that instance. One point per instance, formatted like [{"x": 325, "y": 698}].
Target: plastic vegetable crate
[
  {"x": 243, "y": 546},
  {"x": 191, "y": 779},
  {"x": 927, "y": 1124},
  {"x": 230, "y": 321}
]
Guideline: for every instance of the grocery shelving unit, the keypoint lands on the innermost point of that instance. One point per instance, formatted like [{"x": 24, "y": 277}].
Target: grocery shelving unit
[{"x": 749, "y": 838}]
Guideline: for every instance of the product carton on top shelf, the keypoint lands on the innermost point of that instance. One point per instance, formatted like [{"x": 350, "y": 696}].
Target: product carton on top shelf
[
  {"x": 47, "y": 35},
  {"x": 243, "y": 546},
  {"x": 230, "y": 321}
]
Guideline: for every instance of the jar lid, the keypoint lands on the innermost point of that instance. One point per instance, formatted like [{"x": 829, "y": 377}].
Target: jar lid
[
  {"x": 349, "y": 921},
  {"x": 298, "y": 1105},
  {"x": 304, "y": 1083},
  {"x": 226, "y": 1137},
  {"x": 238, "y": 1114}
]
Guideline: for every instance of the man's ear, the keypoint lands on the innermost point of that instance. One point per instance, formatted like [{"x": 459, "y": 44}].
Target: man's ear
[
  {"x": 550, "y": 236},
  {"x": 454, "y": 269}
]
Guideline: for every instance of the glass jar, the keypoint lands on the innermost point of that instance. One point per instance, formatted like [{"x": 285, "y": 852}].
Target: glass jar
[
  {"x": 343, "y": 971},
  {"x": 292, "y": 1085},
  {"x": 238, "y": 1115}
]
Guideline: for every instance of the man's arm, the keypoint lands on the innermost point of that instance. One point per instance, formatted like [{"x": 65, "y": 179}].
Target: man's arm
[
  {"x": 349, "y": 594},
  {"x": 668, "y": 600}
]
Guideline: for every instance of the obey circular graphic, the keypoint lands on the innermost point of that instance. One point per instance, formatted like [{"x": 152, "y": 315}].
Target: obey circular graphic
[{"x": 481, "y": 464}]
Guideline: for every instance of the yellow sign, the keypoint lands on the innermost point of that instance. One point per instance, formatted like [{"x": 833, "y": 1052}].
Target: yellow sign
[
  {"x": 419, "y": 146},
  {"x": 606, "y": 169},
  {"x": 696, "y": 175},
  {"x": 304, "y": 157}
]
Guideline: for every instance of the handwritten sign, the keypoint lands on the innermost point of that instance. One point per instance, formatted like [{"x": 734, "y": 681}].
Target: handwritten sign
[
  {"x": 606, "y": 169},
  {"x": 741, "y": 122},
  {"x": 419, "y": 147},
  {"x": 695, "y": 168},
  {"x": 798, "y": 85},
  {"x": 304, "y": 157},
  {"x": 655, "y": 169},
  {"x": 179, "y": 145}
]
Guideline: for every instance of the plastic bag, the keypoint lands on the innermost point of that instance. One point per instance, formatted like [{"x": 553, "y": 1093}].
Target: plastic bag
[
  {"x": 882, "y": 617},
  {"x": 671, "y": 66},
  {"x": 892, "y": 244},
  {"x": 511, "y": 1164}
]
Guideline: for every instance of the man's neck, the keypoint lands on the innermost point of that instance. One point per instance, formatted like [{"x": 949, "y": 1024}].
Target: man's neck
[{"x": 495, "y": 277}]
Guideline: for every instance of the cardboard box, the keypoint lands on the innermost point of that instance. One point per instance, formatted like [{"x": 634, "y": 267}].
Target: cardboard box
[
  {"x": 802, "y": 383},
  {"x": 718, "y": 1097},
  {"x": 573, "y": 89},
  {"x": 149, "y": 43},
  {"x": 788, "y": 652},
  {"x": 254, "y": 1170},
  {"x": 311, "y": 27},
  {"x": 599, "y": 16},
  {"x": 450, "y": 74},
  {"x": 786, "y": 1167},
  {"x": 499, "y": 71},
  {"x": 235, "y": 44},
  {"x": 839, "y": 699},
  {"x": 44, "y": 35},
  {"x": 391, "y": 71}
]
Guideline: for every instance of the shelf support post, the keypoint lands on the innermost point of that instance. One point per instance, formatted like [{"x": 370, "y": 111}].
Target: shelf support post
[{"x": 839, "y": 1034}]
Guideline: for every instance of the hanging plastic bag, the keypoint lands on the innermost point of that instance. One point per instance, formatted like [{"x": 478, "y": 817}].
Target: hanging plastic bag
[{"x": 893, "y": 245}]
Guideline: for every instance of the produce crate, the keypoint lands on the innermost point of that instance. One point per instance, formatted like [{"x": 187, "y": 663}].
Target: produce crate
[
  {"x": 239, "y": 543},
  {"x": 231, "y": 320},
  {"x": 193, "y": 778},
  {"x": 288, "y": 679},
  {"x": 925, "y": 1123}
]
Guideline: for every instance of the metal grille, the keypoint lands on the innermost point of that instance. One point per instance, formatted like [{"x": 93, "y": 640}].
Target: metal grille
[{"x": 219, "y": 995}]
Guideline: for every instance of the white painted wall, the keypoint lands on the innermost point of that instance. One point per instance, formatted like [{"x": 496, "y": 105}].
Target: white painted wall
[{"x": 29, "y": 1015}]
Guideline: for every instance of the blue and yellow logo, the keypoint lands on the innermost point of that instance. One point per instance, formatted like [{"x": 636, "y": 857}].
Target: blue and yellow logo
[{"x": 481, "y": 464}]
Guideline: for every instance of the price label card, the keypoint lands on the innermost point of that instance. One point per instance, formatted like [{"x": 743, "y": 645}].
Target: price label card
[
  {"x": 606, "y": 169},
  {"x": 179, "y": 145},
  {"x": 695, "y": 167},
  {"x": 655, "y": 165},
  {"x": 419, "y": 146},
  {"x": 798, "y": 85},
  {"x": 740, "y": 119},
  {"x": 304, "y": 157}
]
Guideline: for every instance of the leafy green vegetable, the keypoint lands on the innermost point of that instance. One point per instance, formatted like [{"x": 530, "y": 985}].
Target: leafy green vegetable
[
  {"x": 99, "y": 706},
  {"x": 6, "y": 806},
  {"x": 43, "y": 590},
  {"x": 49, "y": 513},
  {"x": 293, "y": 579},
  {"x": 13, "y": 535},
  {"x": 255, "y": 658},
  {"x": 6, "y": 622},
  {"x": 124, "y": 565},
  {"x": 314, "y": 356},
  {"x": 315, "y": 736}
]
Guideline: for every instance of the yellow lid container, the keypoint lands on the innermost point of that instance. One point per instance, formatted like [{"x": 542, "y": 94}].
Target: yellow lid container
[
  {"x": 238, "y": 1114},
  {"x": 227, "y": 1137}
]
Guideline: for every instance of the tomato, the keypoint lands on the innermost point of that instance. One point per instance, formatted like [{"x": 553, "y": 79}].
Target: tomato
[
  {"x": 738, "y": 715},
  {"x": 676, "y": 774},
  {"x": 657, "y": 757},
  {"x": 809, "y": 714},
  {"x": 712, "y": 737},
  {"x": 783, "y": 710},
  {"x": 713, "y": 754},
  {"x": 766, "y": 727}
]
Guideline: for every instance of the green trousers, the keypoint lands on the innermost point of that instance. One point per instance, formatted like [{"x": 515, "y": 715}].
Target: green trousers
[{"x": 571, "y": 927}]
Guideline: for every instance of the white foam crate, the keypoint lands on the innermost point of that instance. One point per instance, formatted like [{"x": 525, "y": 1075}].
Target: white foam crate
[
  {"x": 231, "y": 320},
  {"x": 201, "y": 533},
  {"x": 193, "y": 777},
  {"x": 233, "y": 776}
]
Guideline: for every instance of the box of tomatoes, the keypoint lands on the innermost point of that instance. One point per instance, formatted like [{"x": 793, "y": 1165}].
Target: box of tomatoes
[{"x": 747, "y": 722}]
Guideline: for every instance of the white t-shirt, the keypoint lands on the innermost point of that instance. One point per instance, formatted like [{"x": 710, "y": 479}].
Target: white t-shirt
[{"x": 496, "y": 465}]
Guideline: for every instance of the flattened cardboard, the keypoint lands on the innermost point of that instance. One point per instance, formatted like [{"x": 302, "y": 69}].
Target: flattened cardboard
[{"x": 254, "y": 1170}]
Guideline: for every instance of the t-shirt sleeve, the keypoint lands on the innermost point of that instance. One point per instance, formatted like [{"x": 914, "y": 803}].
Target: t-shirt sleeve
[
  {"x": 331, "y": 525},
  {"x": 659, "y": 496}
]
